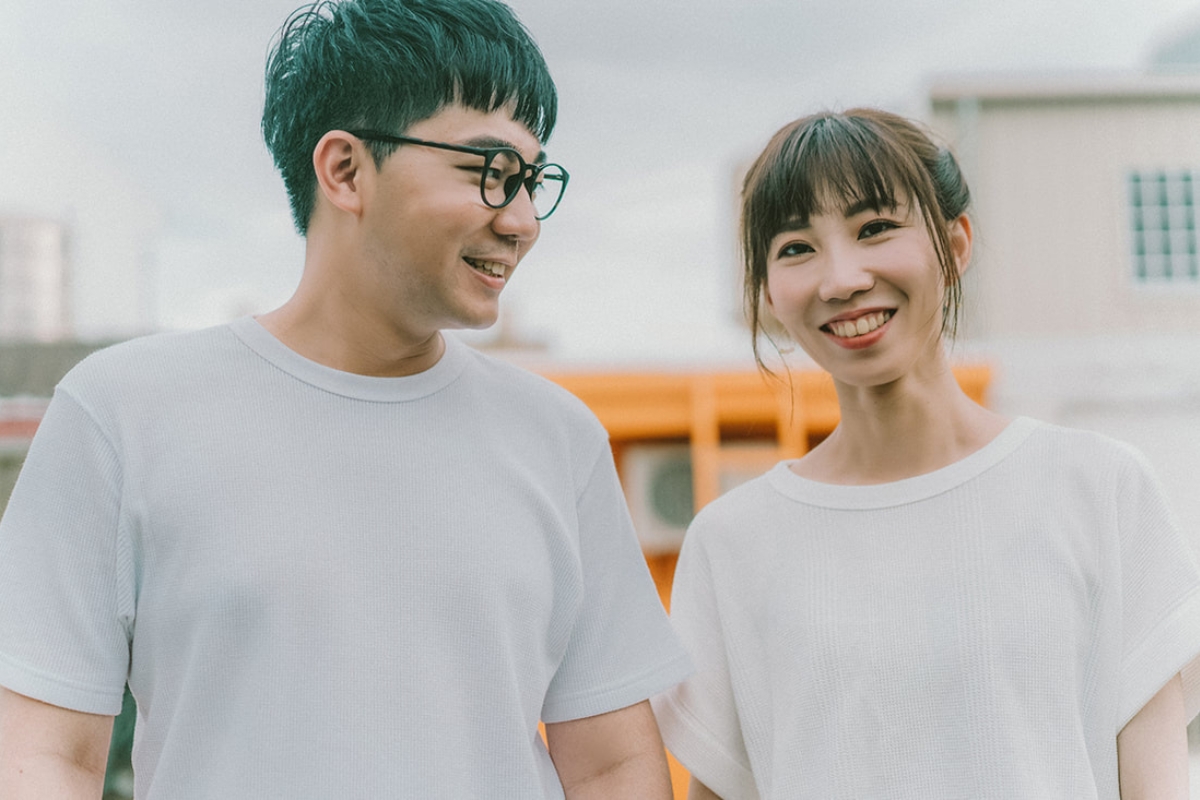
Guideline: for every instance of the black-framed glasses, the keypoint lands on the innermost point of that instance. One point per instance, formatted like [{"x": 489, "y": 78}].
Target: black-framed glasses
[{"x": 502, "y": 175}]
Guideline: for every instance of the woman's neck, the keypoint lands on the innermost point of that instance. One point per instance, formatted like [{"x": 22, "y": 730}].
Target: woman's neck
[{"x": 913, "y": 426}]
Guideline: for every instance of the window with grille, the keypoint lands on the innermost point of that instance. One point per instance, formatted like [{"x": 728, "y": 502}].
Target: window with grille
[{"x": 1163, "y": 226}]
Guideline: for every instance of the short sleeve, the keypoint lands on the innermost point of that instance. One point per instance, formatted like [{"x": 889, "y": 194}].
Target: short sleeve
[
  {"x": 63, "y": 622},
  {"x": 699, "y": 718},
  {"x": 622, "y": 649},
  {"x": 1160, "y": 586}
]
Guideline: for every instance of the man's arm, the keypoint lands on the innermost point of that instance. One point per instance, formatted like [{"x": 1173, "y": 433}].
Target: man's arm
[
  {"x": 47, "y": 751},
  {"x": 611, "y": 756},
  {"x": 1152, "y": 753}
]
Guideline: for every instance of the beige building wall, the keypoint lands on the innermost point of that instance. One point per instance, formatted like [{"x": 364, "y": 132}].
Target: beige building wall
[{"x": 1049, "y": 167}]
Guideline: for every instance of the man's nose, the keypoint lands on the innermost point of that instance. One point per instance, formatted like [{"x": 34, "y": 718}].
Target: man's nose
[{"x": 518, "y": 219}]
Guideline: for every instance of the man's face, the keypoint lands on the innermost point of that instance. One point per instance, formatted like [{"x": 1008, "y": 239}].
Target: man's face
[{"x": 435, "y": 256}]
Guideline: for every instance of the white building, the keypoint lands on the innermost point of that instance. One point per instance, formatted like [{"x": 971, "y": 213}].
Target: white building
[
  {"x": 1085, "y": 288},
  {"x": 34, "y": 280}
]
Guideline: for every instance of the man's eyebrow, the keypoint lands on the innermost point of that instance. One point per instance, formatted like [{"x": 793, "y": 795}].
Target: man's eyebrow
[{"x": 493, "y": 141}]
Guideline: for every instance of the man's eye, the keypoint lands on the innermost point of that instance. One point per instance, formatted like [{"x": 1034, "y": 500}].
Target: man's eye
[
  {"x": 492, "y": 176},
  {"x": 505, "y": 164}
]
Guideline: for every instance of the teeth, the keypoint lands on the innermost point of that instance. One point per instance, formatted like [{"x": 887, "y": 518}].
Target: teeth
[
  {"x": 848, "y": 329},
  {"x": 493, "y": 268}
]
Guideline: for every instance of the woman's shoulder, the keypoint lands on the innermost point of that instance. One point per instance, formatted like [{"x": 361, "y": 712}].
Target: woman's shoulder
[
  {"x": 752, "y": 505},
  {"x": 1081, "y": 446}
]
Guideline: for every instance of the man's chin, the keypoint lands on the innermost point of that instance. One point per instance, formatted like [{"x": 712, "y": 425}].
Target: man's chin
[{"x": 473, "y": 327}]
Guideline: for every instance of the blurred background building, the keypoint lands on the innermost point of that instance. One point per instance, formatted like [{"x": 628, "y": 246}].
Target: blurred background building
[
  {"x": 34, "y": 280},
  {"x": 37, "y": 345}
]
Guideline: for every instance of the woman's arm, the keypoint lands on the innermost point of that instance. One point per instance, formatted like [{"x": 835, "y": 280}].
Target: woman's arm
[{"x": 1152, "y": 752}]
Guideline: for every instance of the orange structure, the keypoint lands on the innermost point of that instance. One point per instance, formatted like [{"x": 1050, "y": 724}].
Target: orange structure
[{"x": 708, "y": 410}]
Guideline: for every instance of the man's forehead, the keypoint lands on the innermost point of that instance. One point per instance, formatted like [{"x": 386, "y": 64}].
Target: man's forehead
[{"x": 459, "y": 124}]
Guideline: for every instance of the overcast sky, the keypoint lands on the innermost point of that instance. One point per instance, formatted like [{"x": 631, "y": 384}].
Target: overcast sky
[{"x": 136, "y": 122}]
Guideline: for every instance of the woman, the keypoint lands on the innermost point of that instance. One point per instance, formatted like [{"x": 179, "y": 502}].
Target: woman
[{"x": 936, "y": 601}]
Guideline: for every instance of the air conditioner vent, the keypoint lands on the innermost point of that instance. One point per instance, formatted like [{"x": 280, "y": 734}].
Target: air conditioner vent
[{"x": 658, "y": 486}]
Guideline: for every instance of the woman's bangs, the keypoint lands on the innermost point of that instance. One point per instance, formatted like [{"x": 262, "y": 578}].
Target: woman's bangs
[{"x": 834, "y": 166}]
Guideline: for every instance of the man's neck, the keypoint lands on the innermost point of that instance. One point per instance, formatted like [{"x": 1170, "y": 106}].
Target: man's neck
[{"x": 350, "y": 344}]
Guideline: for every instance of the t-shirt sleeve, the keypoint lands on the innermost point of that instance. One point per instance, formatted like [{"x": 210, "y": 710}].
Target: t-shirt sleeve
[
  {"x": 699, "y": 717},
  {"x": 64, "y": 624},
  {"x": 1160, "y": 585},
  {"x": 622, "y": 649}
]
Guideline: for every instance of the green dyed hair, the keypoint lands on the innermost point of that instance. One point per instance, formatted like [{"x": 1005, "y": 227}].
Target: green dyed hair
[{"x": 387, "y": 64}]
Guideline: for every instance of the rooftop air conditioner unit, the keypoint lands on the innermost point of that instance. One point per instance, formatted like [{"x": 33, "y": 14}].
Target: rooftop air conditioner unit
[{"x": 658, "y": 486}]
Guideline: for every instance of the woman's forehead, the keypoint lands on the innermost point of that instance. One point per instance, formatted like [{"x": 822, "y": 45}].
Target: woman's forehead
[{"x": 848, "y": 200}]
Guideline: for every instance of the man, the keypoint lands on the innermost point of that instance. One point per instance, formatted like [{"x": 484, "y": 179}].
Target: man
[{"x": 334, "y": 552}]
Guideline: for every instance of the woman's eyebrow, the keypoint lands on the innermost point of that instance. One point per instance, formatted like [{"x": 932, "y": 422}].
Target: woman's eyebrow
[
  {"x": 794, "y": 225},
  {"x": 800, "y": 224},
  {"x": 869, "y": 204}
]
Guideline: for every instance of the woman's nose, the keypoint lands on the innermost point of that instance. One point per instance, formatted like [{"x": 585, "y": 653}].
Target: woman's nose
[{"x": 846, "y": 274}]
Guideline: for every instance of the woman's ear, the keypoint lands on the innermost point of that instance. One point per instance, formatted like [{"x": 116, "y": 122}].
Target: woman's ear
[
  {"x": 339, "y": 161},
  {"x": 961, "y": 238}
]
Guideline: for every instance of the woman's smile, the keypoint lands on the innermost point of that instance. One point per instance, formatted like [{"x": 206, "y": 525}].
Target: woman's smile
[{"x": 852, "y": 327}]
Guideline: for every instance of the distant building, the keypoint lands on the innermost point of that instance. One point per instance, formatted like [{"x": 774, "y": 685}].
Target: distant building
[
  {"x": 1087, "y": 193},
  {"x": 34, "y": 280},
  {"x": 1085, "y": 287}
]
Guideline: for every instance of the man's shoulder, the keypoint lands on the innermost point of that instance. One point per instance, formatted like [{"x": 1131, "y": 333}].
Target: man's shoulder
[
  {"x": 523, "y": 385},
  {"x": 157, "y": 359}
]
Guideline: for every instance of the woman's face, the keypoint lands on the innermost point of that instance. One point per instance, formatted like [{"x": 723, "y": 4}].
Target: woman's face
[{"x": 860, "y": 289}]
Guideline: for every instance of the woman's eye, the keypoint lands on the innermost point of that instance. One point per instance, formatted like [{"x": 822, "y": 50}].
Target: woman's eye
[
  {"x": 793, "y": 249},
  {"x": 875, "y": 228}
]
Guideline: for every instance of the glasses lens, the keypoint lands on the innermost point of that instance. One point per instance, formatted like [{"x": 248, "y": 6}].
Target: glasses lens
[
  {"x": 501, "y": 177},
  {"x": 548, "y": 190}
]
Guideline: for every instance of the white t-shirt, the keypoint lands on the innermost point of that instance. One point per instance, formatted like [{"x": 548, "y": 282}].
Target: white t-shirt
[
  {"x": 982, "y": 631},
  {"x": 323, "y": 584}
]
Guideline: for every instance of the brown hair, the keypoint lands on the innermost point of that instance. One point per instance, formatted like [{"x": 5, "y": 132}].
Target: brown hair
[{"x": 858, "y": 155}]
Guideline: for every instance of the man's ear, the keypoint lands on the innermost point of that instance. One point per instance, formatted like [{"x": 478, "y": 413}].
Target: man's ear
[
  {"x": 340, "y": 162},
  {"x": 961, "y": 239}
]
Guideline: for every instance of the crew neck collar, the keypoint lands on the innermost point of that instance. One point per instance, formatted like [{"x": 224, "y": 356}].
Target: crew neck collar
[
  {"x": 909, "y": 490},
  {"x": 349, "y": 384}
]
